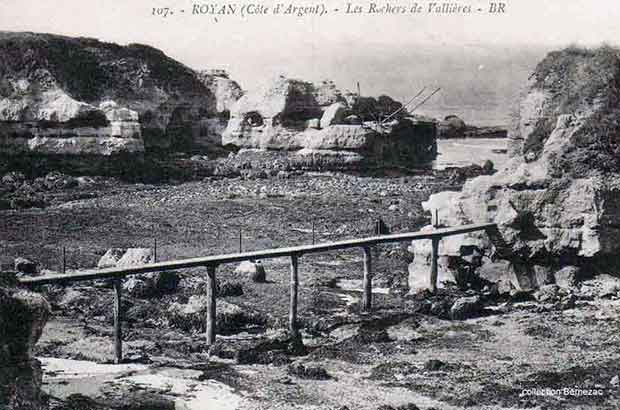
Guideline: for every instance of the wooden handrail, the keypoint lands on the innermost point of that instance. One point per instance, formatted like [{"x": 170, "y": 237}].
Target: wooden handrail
[
  {"x": 250, "y": 256},
  {"x": 294, "y": 252}
]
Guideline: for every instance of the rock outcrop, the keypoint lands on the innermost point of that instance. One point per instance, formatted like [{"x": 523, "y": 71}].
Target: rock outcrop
[
  {"x": 79, "y": 96},
  {"x": 226, "y": 92},
  {"x": 22, "y": 318},
  {"x": 557, "y": 201},
  {"x": 312, "y": 123},
  {"x": 454, "y": 127}
]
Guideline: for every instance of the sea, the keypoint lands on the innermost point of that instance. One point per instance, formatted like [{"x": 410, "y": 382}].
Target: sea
[{"x": 462, "y": 152}]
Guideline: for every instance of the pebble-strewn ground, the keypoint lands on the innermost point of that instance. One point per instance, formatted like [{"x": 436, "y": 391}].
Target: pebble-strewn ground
[
  {"x": 406, "y": 352},
  {"x": 201, "y": 218}
]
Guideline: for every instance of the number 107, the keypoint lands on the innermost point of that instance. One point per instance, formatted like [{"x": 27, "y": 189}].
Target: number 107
[{"x": 161, "y": 11}]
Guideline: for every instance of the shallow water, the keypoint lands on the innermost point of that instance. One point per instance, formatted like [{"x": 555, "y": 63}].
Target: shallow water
[
  {"x": 63, "y": 377},
  {"x": 467, "y": 151}
]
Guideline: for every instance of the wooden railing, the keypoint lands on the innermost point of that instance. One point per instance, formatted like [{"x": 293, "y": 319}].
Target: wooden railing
[{"x": 212, "y": 262}]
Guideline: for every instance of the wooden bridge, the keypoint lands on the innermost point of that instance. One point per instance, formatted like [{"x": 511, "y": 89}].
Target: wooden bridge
[{"x": 212, "y": 262}]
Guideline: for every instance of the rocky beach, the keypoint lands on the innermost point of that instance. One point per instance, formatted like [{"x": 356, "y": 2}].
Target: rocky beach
[{"x": 134, "y": 158}]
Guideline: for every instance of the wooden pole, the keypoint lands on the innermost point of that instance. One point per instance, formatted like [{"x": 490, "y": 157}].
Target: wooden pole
[
  {"x": 155, "y": 250},
  {"x": 240, "y": 240},
  {"x": 434, "y": 260},
  {"x": 292, "y": 314},
  {"x": 313, "y": 232},
  {"x": 118, "y": 333},
  {"x": 434, "y": 255},
  {"x": 367, "y": 282},
  {"x": 64, "y": 260},
  {"x": 211, "y": 325}
]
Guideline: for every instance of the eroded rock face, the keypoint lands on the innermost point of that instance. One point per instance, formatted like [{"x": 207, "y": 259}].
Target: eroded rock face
[
  {"x": 311, "y": 122},
  {"x": 22, "y": 318},
  {"x": 226, "y": 92},
  {"x": 272, "y": 116},
  {"x": 557, "y": 201},
  {"x": 68, "y": 96}
]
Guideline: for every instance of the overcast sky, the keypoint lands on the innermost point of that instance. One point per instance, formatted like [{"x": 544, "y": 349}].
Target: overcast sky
[{"x": 315, "y": 47}]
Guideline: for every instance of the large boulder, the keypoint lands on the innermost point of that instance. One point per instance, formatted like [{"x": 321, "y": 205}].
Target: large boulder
[
  {"x": 23, "y": 315},
  {"x": 144, "y": 285},
  {"x": 253, "y": 271},
  {"x": 111, "y": 258},
  {"x": 556, "y": 202}
]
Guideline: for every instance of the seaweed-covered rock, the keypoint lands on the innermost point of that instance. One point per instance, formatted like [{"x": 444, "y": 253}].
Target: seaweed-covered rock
[
  {"x": 308, "y": 371},
  {"x": 466, "y": 308},
  {"x": 230, "y": 317}
]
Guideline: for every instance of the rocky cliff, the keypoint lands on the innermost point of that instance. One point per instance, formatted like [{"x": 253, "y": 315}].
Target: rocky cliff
[
  {"x": 318, "y": 123},
  {"x": 557, "y": 202},
  {"x": 62, "y": 95}
]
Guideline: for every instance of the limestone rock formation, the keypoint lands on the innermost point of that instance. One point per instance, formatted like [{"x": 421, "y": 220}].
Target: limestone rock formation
[
  {"x": 22, "y": 318},
  {"x": 226, "y": 92},
  {"x": 284, "y": 114},
  {"x": 67, "y": 96},
  {"x": 557, "y": 201}
]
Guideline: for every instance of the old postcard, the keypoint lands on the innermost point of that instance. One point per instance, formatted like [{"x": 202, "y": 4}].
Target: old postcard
[{"x": 317, "y": 205}]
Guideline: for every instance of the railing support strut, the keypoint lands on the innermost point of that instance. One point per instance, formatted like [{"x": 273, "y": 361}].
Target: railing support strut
[
  {"x": 211, "y": 305},
  {"x": 292, "y": 314},
  {"x": 434, "y": 263},
  {"x": 118, "y": 333},
  {"x": 367, "y": 281}
]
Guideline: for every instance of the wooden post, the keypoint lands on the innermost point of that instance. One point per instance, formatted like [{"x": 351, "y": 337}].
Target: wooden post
[
  {"x": 240, "y": 240},
  {"x": 292, "y": 314},
  {"x": 367, "y": 282},
  {"x": 313, "y": 232},
  {"x": 64, "y": 260},
  {"x": 434, "y": 260},
  {"x": 211, "y": 325},
  {"x": 155, "y": 250},
  {"x": 118, "y": 334}
]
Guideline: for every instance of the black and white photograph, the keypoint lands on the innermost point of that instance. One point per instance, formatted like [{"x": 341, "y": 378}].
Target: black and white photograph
[{"x": 309, "y": 205}]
